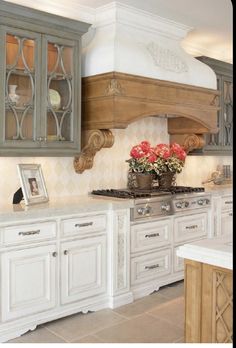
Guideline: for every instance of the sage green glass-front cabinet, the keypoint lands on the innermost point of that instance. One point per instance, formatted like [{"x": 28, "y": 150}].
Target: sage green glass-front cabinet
[
  {"x": 40, "y": 85},
  {"x": 222, "y": 142}
]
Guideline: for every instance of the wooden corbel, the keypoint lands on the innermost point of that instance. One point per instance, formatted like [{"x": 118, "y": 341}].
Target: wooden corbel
[
  {"x": 92, "y": 142},
  {"x": 189, "y": 141}
]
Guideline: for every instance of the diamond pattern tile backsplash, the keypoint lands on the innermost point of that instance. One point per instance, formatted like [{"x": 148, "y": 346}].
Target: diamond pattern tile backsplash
[{"x": 109, "y": 170}]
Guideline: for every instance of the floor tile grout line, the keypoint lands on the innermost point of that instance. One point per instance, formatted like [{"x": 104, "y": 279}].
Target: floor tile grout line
[
  {"x": 165, "y": 320},
  {"x": 90, "y": 332},
  {"x": 107, "y": 327},
  {"x": 56, "y": 334}
]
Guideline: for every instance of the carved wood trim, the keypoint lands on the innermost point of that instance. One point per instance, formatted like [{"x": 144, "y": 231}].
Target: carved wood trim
[
  {"x": 93, "y": 141},
  {"x": 114, "y": 100},
  {"x": 189, "y": 141}
]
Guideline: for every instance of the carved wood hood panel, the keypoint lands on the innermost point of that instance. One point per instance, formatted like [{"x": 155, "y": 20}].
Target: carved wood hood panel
[{"x": 114, "y": 100}]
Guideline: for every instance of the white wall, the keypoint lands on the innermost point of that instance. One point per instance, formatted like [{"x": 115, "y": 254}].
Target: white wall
[{"x": 110, "y": 169}]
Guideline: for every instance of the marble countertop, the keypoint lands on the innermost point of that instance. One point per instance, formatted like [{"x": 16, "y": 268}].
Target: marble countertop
[
  {"x": 223, "y": 189},
  {"x": 61, "y": 206},
  {"x": 217, "y": 251}
]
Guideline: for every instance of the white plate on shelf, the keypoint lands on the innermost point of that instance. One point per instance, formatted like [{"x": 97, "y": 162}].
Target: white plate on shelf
[{"x": 55, "y": 99}]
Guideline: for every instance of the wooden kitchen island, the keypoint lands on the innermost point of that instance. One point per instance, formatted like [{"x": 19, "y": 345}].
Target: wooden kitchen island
[{"x": 208, "y": 290}]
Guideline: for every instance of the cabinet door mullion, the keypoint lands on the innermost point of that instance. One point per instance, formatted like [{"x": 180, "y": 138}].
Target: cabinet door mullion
[
  {"x": 21, "y": 73},
  {"x": 60, "y": 110}
]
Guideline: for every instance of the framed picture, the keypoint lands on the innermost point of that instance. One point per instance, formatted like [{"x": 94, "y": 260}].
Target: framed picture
[{"x": 32, "y": 183}]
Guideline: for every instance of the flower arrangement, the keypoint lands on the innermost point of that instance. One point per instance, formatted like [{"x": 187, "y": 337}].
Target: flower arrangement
[{"x": 158, "y": 159}]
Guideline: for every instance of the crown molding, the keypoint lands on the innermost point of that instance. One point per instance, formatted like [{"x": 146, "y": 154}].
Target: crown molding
[
  {"x": 112, "y": 13},
  {"x": 69, "y": 9},
  {"x": 117, "y": 12}
]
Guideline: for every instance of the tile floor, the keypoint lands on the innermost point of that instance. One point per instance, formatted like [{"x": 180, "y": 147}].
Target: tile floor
[{"x": 157, "y": 318}]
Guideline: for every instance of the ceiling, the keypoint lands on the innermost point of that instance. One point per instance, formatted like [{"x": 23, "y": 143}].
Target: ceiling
[{"x": 211, "y": 20}]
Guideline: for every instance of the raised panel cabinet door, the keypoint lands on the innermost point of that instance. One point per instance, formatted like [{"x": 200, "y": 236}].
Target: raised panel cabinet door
[
  {"x": 28, "y": 281},
  {"x": 20, "y": 88},
  {"x": 227, "y": 222},
  {"x": 83, "y": 269},
  {"x": 60, "y": 104}
]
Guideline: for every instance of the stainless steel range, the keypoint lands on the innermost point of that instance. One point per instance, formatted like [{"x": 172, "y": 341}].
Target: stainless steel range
[{"x": 156, "y": 203}]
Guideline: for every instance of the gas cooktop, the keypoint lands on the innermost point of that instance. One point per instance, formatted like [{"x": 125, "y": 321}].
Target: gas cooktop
[{"x": 154, "y": 192}]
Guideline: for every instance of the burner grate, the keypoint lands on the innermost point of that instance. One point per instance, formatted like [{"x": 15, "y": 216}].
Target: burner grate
[
  {"x": 184, "y": 189},
  {"x": 121, "y": 193},
  {"x": 155, "y": 191}
]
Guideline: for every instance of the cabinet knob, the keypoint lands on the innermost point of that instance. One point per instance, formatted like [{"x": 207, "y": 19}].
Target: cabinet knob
[
  {"x": 65, "y": 252},
  {"x": 54, "y": 254}
]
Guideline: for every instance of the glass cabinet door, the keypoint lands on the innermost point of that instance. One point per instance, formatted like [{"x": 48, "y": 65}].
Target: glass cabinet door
[
  {"x": 21, "y": 87},
  {"x": 61, "y": 107}
]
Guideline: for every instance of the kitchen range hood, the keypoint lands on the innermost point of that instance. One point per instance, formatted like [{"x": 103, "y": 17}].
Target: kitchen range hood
[{"x": 134, "y": 67}]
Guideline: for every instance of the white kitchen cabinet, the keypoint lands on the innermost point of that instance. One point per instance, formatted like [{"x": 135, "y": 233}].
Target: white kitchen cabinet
[
  {"x": 150, "y": 235},
  {"x": 83, "y": 269},
  {"x": 51, "y": 268},
  {"x": 151, "y": 266},
  {"x": 28, "y": 281},
  {"x": 190, "y": 227},
  {"x": 226, "y": 223},
  {"x": 151, "y": 255},
  {"x": 81, "y": 224},
  {"x": 222, "y": 213},
  {"x": 28, "y": 233},
  {"x": 178, "y": 262}
]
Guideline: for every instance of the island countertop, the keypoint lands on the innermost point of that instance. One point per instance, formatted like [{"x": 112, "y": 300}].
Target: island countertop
[{"x": 216, "y": 251}]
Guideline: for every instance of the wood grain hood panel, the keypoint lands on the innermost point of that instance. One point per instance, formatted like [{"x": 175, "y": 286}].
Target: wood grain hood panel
[{"x": 114, "y": 100}]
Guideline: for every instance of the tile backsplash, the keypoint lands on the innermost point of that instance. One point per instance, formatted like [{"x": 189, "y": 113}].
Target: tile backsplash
[{"x": 110, "y": 169}]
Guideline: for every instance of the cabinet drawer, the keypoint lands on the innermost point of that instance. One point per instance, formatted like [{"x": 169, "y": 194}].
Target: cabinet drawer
[
  {"x": 28, "y": 232},
  {"x": 227, "y": 203},
  {"x": 150, "y": 235},
  {"x": 151, "y": 266},
  {"x": 85, "y": 224},
  {"x": 190, "y": 227}
]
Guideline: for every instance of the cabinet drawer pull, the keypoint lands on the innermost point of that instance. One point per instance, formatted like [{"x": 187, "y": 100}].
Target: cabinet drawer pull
[
  {"x": 191, "y": 227},
  {"x": 152, "y": 266},
  {"x": 84, "y": 224},
  {"x": 29, "y": 233},
  {"x": 65, "y": 252},
  {"x": 54, "y": 254},
  {"x": 228, "y": 202},
  {"x": 152, "y": 235}
]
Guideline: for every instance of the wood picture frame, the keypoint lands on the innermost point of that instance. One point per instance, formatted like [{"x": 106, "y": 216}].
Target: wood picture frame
[{"x": 32, "y": 183}]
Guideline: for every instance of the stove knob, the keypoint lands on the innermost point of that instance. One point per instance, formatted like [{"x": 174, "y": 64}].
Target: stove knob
[
  {"x": 165, "y": 207},
  {"x": 207, "y": 201},
  {"x": 147, "y": 210},
  {"x": 141, "y": 211},
  {"x": 200, "y": 202},
  {"x": 178, "y": 205},
  {"x": 186, "y": 204}
]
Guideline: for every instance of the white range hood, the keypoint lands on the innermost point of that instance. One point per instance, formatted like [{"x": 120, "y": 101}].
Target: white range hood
[{"x": 128, "y": 40}]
